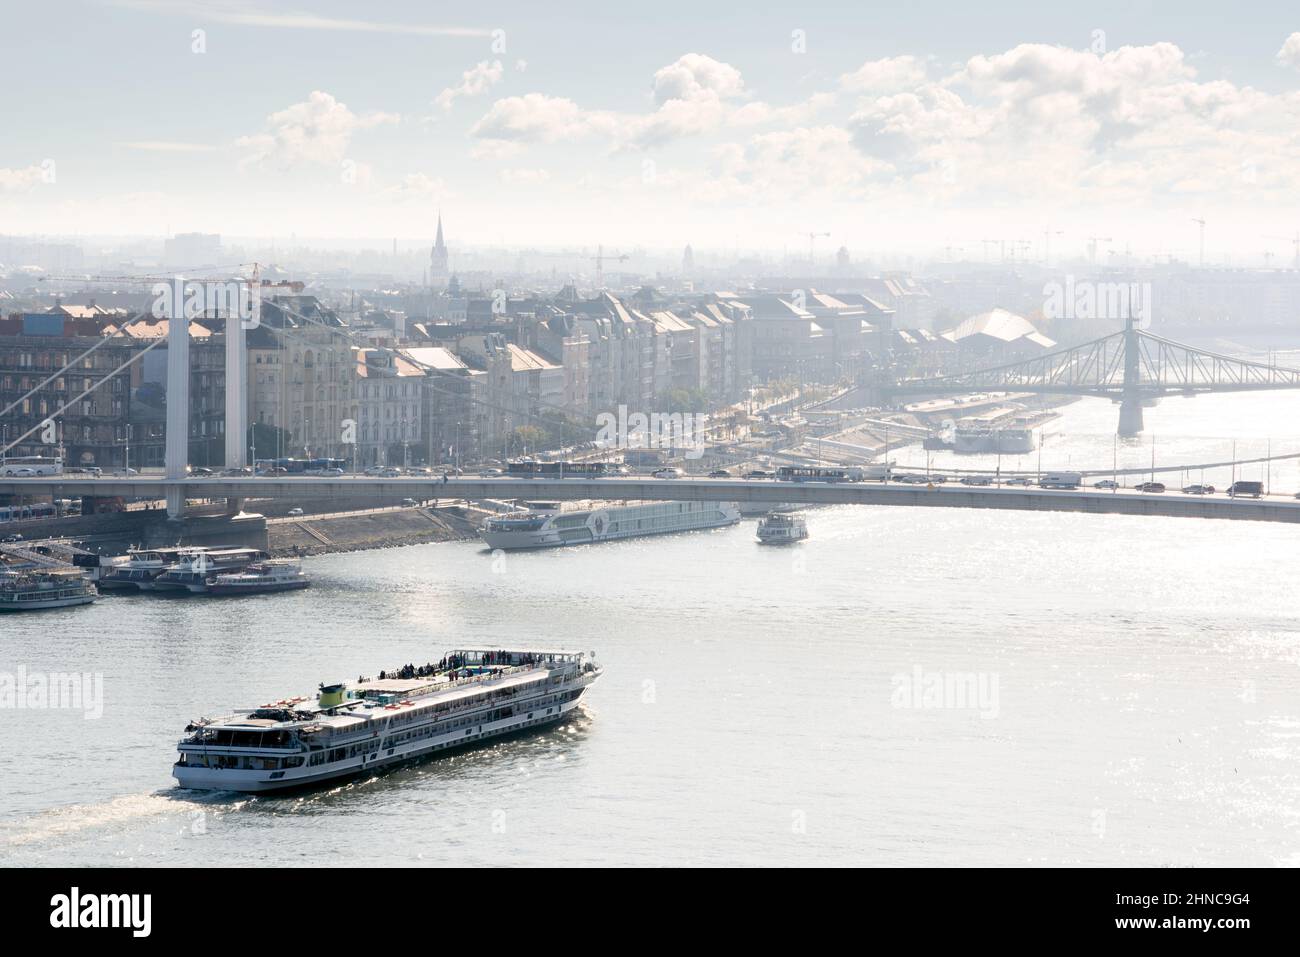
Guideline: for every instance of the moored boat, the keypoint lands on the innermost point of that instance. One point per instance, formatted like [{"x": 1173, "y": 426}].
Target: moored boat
[
  {"x": 40, "y": 588},
  {"x": 142, "y": 566},
  {"x": 192, "y": 572},
  {"x": 547, "y": 525},
  {"x": 272, "y": 575}
]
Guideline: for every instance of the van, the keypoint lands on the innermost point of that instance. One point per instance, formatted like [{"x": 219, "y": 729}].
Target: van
[
  {"x": 1061, "y": 480},
  {"x": 1253, "y": 489}
]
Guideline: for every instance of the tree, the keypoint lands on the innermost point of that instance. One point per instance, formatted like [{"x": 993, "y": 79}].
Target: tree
[
  {"x": 526, "y": 437},
  {"x": 268, "y": 441}
]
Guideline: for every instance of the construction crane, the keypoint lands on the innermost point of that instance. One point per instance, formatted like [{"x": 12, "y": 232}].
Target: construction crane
[
  {"x": 292, "y": 285},
  {"x": 600, "y": 259},
  {"x": 812, "y": 237},
  {"x": 1295, "y": 241},
  {"x": 1201, "y": 223},
  {"x": 1047, "y": 244},
  {"x": 1092, "y": 246}
]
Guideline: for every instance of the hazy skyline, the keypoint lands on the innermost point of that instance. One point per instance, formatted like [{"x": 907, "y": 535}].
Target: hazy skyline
[{"x": 657, "y": 127}]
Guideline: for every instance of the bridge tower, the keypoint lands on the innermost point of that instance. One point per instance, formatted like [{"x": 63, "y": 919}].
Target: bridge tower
[
  {"x": 177, "y": 452},
  {"x": 1130, "y": 406}
]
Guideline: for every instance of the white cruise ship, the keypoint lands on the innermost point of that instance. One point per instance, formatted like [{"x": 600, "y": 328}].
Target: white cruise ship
[
  {"x": 546, "y": 525},
  {"x": 471, "y": 696},
  {"x": 38, "y": 588}
]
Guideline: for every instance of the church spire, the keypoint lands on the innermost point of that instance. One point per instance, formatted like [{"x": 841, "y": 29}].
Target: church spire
[{"x": 438, "y": 269}]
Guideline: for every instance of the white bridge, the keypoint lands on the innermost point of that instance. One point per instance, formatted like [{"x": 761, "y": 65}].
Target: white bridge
[{"x": 1275, "y": 508}]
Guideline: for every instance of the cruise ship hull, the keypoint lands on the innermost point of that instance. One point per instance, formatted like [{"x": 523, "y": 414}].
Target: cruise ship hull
[
  {"x": 261, "y": 782},
  {"x": 216, "y": 588},
  {"x": 615, "y": 523},
  {"x": 45, "y": 603}
]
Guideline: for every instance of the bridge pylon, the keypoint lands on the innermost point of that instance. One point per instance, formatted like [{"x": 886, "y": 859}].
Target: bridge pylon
[{"x": 1130, "y": 406}]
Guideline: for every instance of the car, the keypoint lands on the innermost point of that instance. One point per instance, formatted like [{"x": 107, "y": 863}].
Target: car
[
  {"x": 126, "y": 472},
  {"x": 21, "y": 473},
  {"x": 912, "y": 478},
  {"x": 491, "y": 473},
  {"x": 1106, "y": 483},
  {"x": 10, "y": 539},
  {"x": 976, "y": 480},
  {"x": 1151, "y": 487},
  {"x": 419, "y": 470},
  {"x": 719, "y": 473},
  {"x": 390, "y": 473},
  {"x": 375, "y": 470},
  {"x": 201, "y": 472},
  {"x": 409, "y": 502},
  {"x": 668, "y": 473},
  {"x": 758, "y": 474},
  {"x": 275, "y": 470},
  {"x": 1198, "y": 490},
  {"x": 296, "y": 510},
  {"x": 1019, "y": 480},
  {"x": 331, "y": 473},
  {"x": 937, "y": 479},
  {"x": 235, "y": 473}
]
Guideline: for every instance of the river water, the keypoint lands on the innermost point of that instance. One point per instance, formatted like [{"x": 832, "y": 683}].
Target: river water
[{"x": 908, "y": 687}]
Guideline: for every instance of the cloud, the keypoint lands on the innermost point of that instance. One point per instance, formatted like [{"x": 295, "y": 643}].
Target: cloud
[
  {"x": 695, "y": 76},
  {"x": 166, "y": 146},
  {"x": 533, "y": 118},
  {"x": 318, "y": 130},
  {"x": 885, "y": 76},
  {"x": 693, "y": 95},
  {"x": 1289, "y": 55},
  {"x": 477, "y": 79},
  {"x": 1045, "y": 123},
  {"x": 418, "y": 185},
  {"x": 524, "y": 177},
  {"x": 246, "y": 14},
  {"x": 21, "y": 180}
]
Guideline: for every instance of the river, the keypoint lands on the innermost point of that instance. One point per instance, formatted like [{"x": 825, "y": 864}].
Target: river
[{"x": 908, "y": 687}]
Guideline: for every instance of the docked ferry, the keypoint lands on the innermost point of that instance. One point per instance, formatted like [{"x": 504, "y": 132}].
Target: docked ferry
[
  {"x": 546, "y": 524},
  {"x": 470, "y": 696},
  {"x": 142, "y": 566},
  {"x": 193, "y": 571},
  {"x": 277, "y": 574},
  {"x": 40, "y": 588}
]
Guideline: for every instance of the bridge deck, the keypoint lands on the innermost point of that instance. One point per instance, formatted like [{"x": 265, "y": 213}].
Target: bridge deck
[{"x": 1122, "y": 502}]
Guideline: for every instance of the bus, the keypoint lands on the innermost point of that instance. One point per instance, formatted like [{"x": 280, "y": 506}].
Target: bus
[
  {"x": 560, "y": 469},
  {"x": 302, "y": 466},
  {"x": 25, "y": 465},
  {"x": 802, "y": 473}
]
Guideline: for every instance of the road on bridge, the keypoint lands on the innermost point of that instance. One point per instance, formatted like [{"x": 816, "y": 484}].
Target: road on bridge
[{"x": 1124, "y": 501}]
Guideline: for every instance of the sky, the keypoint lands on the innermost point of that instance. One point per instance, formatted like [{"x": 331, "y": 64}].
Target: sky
[{"x": 871, "y": 126}]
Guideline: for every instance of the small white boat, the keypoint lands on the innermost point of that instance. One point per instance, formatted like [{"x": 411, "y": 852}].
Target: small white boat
[
  {"x": 282, "y": 574},
  {"x": 45, "y": 588},
  {"x": 141, "y": 566},
  {"x": 782, "y": 528},
  {"x": 193, "y": 572}
]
